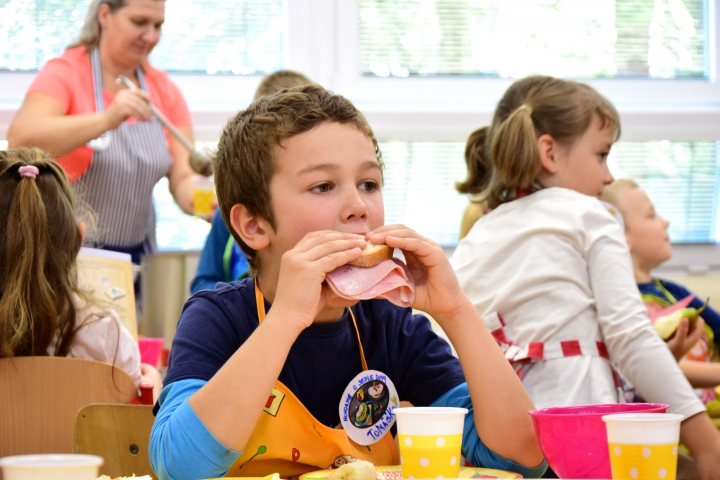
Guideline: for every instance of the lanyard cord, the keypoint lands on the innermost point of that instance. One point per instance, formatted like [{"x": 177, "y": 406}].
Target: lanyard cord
[{"x": 260, "y": 299}]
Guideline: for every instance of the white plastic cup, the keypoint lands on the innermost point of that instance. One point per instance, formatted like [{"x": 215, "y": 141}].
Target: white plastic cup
[
  {"x": 203, "y": 195},
  {"x": 54, "y": 466},
  {"x": 643, "y": 445},
  {"x": 430, "y": 439}
]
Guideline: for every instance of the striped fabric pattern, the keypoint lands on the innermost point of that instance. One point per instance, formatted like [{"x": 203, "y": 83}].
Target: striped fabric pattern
[{"x": 118, "y": 184}]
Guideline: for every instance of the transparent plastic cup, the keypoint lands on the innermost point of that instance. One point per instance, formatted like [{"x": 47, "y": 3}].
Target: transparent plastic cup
[
  {"x": 643, "y": 445},
  {"x": 203, "y": 195},
  {"x": 55, "y": 466},
  {"x": 430, "y": 439}
]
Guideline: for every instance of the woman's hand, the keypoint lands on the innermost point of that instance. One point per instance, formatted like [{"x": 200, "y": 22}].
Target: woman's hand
[
  {"x": 437, "y": 290},
  {"x": 128, "y": 103}
]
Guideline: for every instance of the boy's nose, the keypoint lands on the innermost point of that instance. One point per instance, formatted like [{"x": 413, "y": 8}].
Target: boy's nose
[
  {"x": 666, "y": 222},
  {"x": 355, "y": 207},
  {"x": 608, "y": 177}
]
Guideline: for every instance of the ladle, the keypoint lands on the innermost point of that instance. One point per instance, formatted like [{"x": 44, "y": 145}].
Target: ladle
[{"x": 198, "y": 162}]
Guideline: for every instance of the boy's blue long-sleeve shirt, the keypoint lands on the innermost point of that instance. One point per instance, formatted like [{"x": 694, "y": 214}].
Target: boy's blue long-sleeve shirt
[
  {"x": 181, "y": 447},
  {"x": 217, "y": 264},
  {"x": 214, "y": 324}
]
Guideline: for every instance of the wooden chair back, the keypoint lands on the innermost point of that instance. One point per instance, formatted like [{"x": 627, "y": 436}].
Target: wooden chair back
[
  {"x": 118, "y": 433},
  {"x": 41, "y": 396}
]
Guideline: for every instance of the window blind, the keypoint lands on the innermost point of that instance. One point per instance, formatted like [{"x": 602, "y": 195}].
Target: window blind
[
  {"x": 241, "y": 37},
  {"x": 681, "y": 178},
  {"x": 515, "y": 38}
]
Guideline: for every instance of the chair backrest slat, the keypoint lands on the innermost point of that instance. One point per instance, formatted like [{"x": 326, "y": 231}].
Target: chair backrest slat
[
  {"x": 40, "y": 398},
  {"x": 118, "y": 433}
]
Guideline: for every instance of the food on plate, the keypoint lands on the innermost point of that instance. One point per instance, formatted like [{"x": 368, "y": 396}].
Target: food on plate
[
  {"x": 372, "y": 255},
  {"x": 358, "y": 470},
  {"x": 380, "y": 276},
  {"x": 666, "y": 325}
]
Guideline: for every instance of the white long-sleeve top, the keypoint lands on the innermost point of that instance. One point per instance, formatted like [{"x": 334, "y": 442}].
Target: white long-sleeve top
[
  {"x": 101, "y": 336},
  {"x": 556, "y": 266}
]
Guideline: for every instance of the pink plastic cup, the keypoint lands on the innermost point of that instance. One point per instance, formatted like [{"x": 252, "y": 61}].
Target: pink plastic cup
[
  {"x": 574, "y": 439},
  {"x": 150, "y": 349}
]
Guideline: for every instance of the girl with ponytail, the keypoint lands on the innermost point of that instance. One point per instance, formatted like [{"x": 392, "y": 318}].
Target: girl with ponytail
[
  {"x": 42, "y": 310},
  {"x": 549, "y": 270}
]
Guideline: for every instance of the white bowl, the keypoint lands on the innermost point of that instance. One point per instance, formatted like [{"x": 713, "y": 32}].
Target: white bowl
[{"x": 54, "y": 466}]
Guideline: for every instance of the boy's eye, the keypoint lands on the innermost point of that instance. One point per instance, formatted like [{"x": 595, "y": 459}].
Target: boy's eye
[
  {"x": 321, "y": 188},
  {"x": 369, "y": 186}
]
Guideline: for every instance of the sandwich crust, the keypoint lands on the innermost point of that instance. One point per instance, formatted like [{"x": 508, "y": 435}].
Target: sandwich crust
[{"x": 372, "y": 255}]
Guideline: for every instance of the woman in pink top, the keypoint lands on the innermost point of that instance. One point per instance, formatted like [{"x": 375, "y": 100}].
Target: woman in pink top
[{"x": 104, "y": 134}]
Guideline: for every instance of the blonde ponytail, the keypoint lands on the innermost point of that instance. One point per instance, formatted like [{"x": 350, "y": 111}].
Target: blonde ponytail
[{"x": 514, "y": 150}]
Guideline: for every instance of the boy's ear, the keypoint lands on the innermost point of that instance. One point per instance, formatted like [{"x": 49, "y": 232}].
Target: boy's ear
[
  {"x": 548, "y": 149},
  {"x": 253, "y": 230}
]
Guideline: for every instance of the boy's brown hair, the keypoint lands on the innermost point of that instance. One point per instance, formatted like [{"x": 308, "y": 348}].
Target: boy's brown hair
[
  {"x": 245, "y": 161},
  {"x": 280, "y": 80}
]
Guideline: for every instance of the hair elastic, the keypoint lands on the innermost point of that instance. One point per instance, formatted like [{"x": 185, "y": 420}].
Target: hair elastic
[
  {"x": 28, "y": 171},
  {"x": 525, "y": 106}
]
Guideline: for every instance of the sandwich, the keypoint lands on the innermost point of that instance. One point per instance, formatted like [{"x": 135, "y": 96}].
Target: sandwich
[{"x": 375, "y": 274}]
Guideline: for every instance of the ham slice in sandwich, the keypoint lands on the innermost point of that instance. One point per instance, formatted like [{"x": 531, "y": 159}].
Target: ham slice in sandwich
[{"x": 374, "y": 275}]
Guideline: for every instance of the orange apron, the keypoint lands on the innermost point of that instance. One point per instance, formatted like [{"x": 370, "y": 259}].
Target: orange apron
[{"x": 290, "y": 441}]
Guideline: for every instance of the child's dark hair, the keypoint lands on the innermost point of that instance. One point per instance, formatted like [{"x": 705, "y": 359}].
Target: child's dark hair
[
  {"x": 503, "y": 157},
  {"x": 245, "y": 161},
  {"x": 39, "y": 243}
]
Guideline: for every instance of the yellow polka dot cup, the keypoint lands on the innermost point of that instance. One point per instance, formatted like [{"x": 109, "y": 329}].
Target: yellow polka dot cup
[
  {"x": 203, "y": 195},
  {"x": 430, "y": 439},
  {"x": 643, "y": 445}
]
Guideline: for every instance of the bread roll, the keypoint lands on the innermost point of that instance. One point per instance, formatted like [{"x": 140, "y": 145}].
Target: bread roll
[
  {"x": 372, "y": 255},
  {"x": 358, "y": 470}
]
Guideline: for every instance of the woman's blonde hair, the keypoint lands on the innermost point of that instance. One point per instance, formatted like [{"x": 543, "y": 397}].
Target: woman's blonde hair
[
  {"x": 504, "y": 157},
  {"x": 39, "y": 243},
  {"x": 91, "y": 30}
]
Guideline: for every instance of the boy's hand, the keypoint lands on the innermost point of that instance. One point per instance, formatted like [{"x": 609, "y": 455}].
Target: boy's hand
[
  {"x": 303, "y": 269},
  {"x": 683, "y": 341},
  {"x": 437, "y": 290}
]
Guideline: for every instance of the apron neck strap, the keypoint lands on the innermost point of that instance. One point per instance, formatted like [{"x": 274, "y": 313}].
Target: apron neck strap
[
  {"x": 668, "y": 296},
  {"x": 96, "y": 68},
  {"x": 260, "y": 300}
]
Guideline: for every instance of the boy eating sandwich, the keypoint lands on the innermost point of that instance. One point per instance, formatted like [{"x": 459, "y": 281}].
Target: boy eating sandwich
[{"x": 279, "y": 373}]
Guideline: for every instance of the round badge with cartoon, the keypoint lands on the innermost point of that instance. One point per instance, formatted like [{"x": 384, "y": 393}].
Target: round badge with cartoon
[{"x": 367, "y": 406}]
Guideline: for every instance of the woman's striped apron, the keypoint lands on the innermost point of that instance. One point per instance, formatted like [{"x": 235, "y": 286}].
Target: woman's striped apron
[{"x": 119, "y": 183}]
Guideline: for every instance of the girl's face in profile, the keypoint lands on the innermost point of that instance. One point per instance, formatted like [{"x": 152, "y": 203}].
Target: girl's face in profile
[{"x": 583, "y": 166}]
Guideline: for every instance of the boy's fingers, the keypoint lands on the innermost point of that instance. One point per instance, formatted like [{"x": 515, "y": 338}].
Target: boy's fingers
[
  {"x": 331, "y": 247},
  {"x": 337, "y": 259},
  {"x": 315, "y": 239}
]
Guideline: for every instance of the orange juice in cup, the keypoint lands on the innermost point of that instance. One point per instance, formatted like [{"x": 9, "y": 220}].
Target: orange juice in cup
[
  {"x": 430, "y": 439},
  {"x": 643, "y": 445},
  {"x": 203, "y": 195}
]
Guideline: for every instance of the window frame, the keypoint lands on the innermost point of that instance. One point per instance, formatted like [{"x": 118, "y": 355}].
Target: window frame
[{"x": 322, "y": 42}]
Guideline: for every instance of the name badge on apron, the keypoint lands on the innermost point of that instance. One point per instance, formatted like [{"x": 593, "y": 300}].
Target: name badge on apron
[{"x": 367, "y": 407}]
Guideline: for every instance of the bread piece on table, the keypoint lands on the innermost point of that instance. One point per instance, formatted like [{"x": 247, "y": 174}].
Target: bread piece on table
[
  {"x": 372, "y": 255},
  {"x": 358, "y": 470}
]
